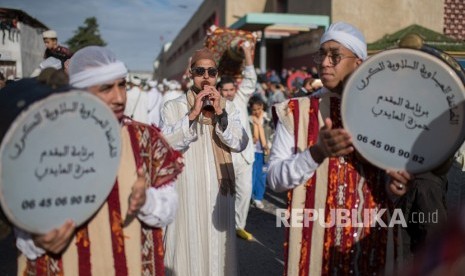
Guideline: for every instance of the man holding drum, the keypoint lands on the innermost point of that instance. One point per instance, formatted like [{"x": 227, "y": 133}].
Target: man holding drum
[
  {"x": 344, "y": 200},
  {"x": 124, "y": 236}
]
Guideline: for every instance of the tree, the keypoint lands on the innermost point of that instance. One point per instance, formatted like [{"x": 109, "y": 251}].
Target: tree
[{"x": 86, "y": 35}]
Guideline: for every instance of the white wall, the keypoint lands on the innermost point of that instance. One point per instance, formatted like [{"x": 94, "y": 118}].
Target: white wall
[
  {"x": 26, "y": 52},
  {"x": 32, "y": 49}
]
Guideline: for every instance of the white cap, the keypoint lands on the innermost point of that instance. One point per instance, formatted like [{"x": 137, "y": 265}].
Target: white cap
[
  {"x": 347, "y": 35},
  {"x": 135, "y": 80},
  {"x": 49, "y": 34},
  {"x": 152, "y": 83},
  {"x": 173, "y": 85}
]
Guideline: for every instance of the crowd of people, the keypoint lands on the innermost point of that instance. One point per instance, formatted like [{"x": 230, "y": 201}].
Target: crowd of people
[{"x": 237, "y": 135}]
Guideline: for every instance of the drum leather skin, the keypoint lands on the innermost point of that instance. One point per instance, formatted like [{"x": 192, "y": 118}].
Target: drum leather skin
[
  {"x": 59, "y": 160},
  {"x": 404, "y": 108}
]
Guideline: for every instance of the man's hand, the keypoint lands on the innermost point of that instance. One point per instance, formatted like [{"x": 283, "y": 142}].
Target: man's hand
[
  {"x": 137, "y": 197},
  {"x": 197, "y": 109},
  {"x": 399, "y": 182},
  {"x": 215, "y": 98},
  {"x": 331, "y": 142},
  {"x": 248, "y": 49},
  {"x": 256, "y": 120},
  {"x": 57, "y": 239}
]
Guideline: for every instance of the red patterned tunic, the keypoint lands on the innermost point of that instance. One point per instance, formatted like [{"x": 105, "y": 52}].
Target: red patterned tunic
[
  {"x": 341, "y": 187},
  {"x": 103, "y": 246}
]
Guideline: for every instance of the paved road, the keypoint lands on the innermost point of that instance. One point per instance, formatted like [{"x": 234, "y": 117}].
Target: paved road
[{"x": 264, "y": 255}]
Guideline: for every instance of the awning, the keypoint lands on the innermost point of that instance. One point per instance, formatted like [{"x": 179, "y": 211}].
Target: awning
[
  {"x": 279, "y": 21},
  {"x": 432, "y": 38}
]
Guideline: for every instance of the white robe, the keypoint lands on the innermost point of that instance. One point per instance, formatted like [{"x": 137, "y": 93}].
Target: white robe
[
  {"x": 137, "y": 105},
  {"x": 155, "y": 102},
  {"x": 202, "y": 240},
  {"x": 243, "y": 161}
]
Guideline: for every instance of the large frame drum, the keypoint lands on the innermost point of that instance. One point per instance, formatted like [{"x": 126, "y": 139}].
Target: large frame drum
[
  {"x": 59, "y": 161},
  {"x": 404, "y": 108}
]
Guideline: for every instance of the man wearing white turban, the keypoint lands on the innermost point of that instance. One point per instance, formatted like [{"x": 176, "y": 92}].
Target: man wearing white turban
[
  {"x": 124, "y": 237},
  {"x": 312, "y": 156}
]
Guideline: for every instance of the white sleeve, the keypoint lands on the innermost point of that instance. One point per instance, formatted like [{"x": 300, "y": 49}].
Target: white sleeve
[
  {"x": 175, "y": 126},
  {"x": 248, "y": 85},
  {"x": 26, "y": 245},
  {"x": 286, "y": 169},
  {"x": 234, "y": 136},
  {"x": 160, "y": 206}
]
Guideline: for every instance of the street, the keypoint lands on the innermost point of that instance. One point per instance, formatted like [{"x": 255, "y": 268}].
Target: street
[{"x": 264, "y": 255}]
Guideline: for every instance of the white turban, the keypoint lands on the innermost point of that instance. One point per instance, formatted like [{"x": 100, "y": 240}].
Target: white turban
[
  {"x": 94, "y": 65},
  {"x": 135, "y": 80},
  {"x": 349, "y": 36},
  {"x": 152, "y": 83}
]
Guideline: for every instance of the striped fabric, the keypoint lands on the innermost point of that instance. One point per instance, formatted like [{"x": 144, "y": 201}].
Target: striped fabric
[
  {"x": 339, "y": 183},
  {"x": 103, "y": 246}
]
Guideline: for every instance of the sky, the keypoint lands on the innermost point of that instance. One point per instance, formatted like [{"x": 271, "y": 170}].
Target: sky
[{"x": 134, "y": 30}]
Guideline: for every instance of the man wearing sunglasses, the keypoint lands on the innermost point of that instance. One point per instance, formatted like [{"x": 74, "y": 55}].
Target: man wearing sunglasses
[
  {"x": 206, "y": 128},
  {"x": 313, "y": 156}
]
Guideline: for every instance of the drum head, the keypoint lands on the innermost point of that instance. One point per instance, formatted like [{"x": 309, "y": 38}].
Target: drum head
[
  {"x": 59, "y": 161},
  {"x": 405, "y": 110}
]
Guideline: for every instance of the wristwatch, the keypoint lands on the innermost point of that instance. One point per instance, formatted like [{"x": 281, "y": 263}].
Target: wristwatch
[{"x": 222, "y": 120}]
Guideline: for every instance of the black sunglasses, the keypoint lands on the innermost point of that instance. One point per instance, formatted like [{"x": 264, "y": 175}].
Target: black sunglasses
[{"x": 200, "y": 71}]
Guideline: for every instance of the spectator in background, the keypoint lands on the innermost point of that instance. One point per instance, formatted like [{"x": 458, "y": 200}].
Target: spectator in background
[
  {"x": 273, "y": 77},
  {"x": 261, "y": 132},
  {"x": 53, "y": 48},
  {"x": 314, "y": 72},
  {"x": 306, "y": 89},
  {"x": 239, "y": 93},
  {"x": 137, "y": 101},
  {"x": 284, "y": 76},
  {"x": 276, "y": 93},
  {"x": 173, "y": 90},
  {"x": 155, "y": 103}
]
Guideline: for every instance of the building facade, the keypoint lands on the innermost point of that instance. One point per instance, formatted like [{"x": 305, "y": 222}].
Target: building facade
[
  {"x": 22, "y": 47},
  {"x": 289, "y": 44}
]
